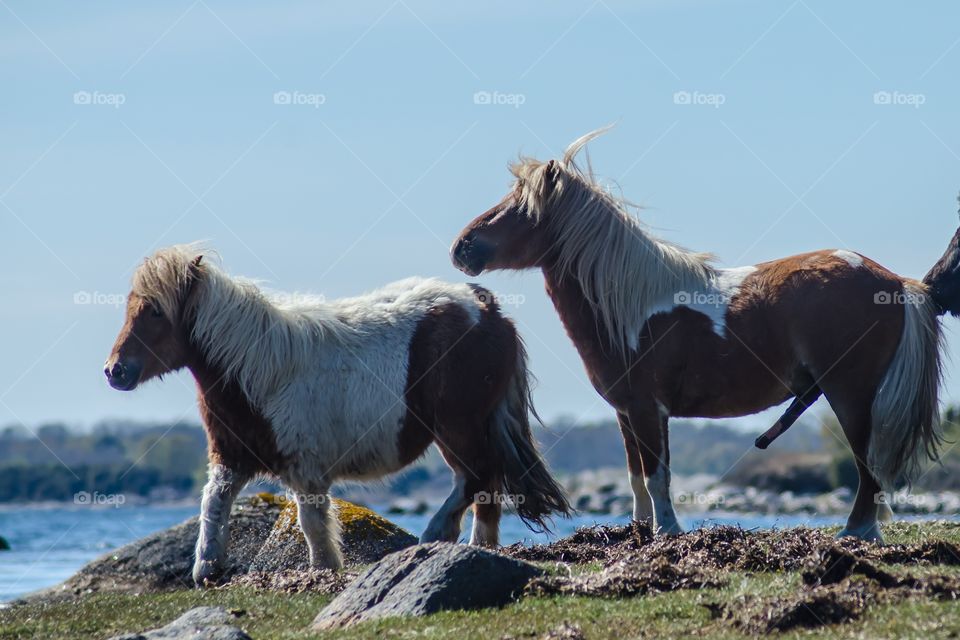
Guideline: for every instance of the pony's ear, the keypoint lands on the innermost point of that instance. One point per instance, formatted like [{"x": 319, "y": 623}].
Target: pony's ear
[
  {"x": 194, "y": 270},
  {"x": 550, "y": 175},
  {"x": 191, "y": 285}
]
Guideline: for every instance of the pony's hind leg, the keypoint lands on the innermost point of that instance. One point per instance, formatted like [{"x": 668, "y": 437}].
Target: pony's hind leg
[
  {"x": 221, "y": 490},
  {"x": 648, "y": 422},
  {"x": 486, "y": 522},
  {"x": 863, "y": 519},
  {"x": 445, "y": 524},
  {"x": 321, "y": 528},
  {"x": 642, "y": 504}
]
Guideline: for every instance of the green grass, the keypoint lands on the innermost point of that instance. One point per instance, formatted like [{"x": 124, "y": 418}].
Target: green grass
[
  {"x": 672, "y": 615},
  {"x": 103, "y": 615}
]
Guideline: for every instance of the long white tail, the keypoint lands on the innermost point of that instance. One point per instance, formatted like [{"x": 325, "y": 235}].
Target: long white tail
[{"x": 906, "y": 409}]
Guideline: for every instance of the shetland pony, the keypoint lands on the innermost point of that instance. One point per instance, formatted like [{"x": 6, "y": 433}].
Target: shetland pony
[
  {"x": 663, "y": 332},
  {"x": 311, "y": 392}
]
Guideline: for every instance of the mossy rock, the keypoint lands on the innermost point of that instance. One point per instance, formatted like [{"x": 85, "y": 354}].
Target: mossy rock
[
  {"x": 164, "y": 560},
  {"x": 366, "y": 537},
  {"x": 264, "y": 536}
]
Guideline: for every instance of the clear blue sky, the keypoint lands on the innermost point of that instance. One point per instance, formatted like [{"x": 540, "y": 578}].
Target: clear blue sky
[{"x": 373, "y": 184}]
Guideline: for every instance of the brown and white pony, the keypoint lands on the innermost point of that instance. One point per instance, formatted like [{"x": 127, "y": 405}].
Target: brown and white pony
[
  {"x": 662, "y": 332},
  {"x": 311, "y": 392}
]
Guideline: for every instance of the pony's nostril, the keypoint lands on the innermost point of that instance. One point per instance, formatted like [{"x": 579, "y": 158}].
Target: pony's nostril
[
  {"x": 115, "y": 372},
  {"x": 463, "y": 248}
]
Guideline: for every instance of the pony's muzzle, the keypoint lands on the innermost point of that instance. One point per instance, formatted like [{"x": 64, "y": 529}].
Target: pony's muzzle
[
  {"x": 122, "y": 376},
  {"x": 469, "y": 255}
]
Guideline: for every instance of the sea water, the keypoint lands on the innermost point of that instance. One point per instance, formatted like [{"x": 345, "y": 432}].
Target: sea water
[{"x": 50, "y": 543}]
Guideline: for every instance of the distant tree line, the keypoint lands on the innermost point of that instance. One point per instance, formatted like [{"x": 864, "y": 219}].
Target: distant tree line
[
  {"x": 117, "y": 458},
  {"x": 164, "y": 461}
]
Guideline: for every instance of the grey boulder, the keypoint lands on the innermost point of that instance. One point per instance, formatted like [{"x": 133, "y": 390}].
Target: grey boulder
[
  {"x": 428, "y": 578},
  {"x": 202, "y": 623},
  {"x": 265, "y": 539},
  {"x": 164, "y": 560}
]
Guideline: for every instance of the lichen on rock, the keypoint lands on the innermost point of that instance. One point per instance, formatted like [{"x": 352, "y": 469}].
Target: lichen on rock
[{"x": 366, "y": 536}]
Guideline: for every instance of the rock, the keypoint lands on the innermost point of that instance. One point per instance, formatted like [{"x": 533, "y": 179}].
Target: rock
[
  {"x": 428, "y": 578},
  {"x": 366, "y": 538},
  {"x": 264, "y": 536},
  {"x": 4, "y": 545},
  {"x": 202, "y": 623},
  {"x": 404, "y": 506},
  {"x": 566, "y": 631},
  {"x": 164, "y": 560}
]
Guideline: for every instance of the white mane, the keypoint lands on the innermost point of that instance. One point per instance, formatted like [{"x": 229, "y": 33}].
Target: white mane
[
  {"x": 258, "y": 339},
  {"x": 624, "y": 271}
]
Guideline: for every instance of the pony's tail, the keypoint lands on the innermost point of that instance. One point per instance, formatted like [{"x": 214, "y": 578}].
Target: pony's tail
[
  {"x": 526, "y": 480},
  {"x": 906, "y": 409}
]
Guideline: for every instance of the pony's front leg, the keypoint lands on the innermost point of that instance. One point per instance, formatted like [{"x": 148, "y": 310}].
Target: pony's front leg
[
  {"x": 221, "y": 490},
  {"x": 648, "y": 423},
  {"x": 642, "y": 505},
  {"x": 321, "y": 527}
]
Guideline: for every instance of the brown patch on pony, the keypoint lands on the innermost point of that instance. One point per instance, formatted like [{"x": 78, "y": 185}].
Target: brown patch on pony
[
  {"x": 458, "y": 371},
  {"x": 770, "y": 351},
  {"x": 238, "y": 436},
  {"x": 784, "y": 334},
  {"x": 468, "y": 391}
]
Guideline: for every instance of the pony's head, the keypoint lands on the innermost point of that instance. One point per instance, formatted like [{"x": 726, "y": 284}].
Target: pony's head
[
  {"x": 513, "y": 234},
  {"x": 154, "y": 339}
]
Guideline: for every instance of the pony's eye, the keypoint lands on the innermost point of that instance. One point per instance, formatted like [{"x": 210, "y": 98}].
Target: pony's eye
[{"x": 156, "y": 312}]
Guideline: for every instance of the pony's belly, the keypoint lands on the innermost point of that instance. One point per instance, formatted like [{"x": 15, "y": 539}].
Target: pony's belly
[
  {"x": 344, "y": 424},
  {"x": 726, "y": 393},
  {"x": 728, "y": 407}
]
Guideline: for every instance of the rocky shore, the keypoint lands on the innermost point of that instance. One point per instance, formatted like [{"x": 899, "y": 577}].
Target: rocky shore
[
  {"x": 607, "y": 492},
  {"x": 609, "y": 582}
]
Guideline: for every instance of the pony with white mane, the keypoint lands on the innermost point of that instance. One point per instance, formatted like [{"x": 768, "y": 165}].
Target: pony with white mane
[
  {"x": 311, "y": 392},
  {"x": 663, "y": 332}
]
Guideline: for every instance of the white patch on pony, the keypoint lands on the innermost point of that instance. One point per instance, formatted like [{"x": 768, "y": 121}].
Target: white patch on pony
[
  {"x": 211, "y": 549},
  {"x": 853, "y": 259},
  {"x": 642, "y": 505},
  {"x": 621, "y": 267},
  {"x": 330, "y": 377},
  {"x": 662, "y": 410},
  {"x": 484, "y": 534},
  {"x": 713, "y": 301},
  {"x": 341, "y": 413},
  {"x": 317, "y": 515},
  {"x": 664, "y": 517}
]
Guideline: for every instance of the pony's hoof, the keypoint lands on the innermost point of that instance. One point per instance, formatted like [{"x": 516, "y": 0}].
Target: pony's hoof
[
  {"x": 332, "y": 562},
  {"x": 869, "y": 534},
  {"x": 206, "y": 573},
  {"x": 670, "y": 530}
]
